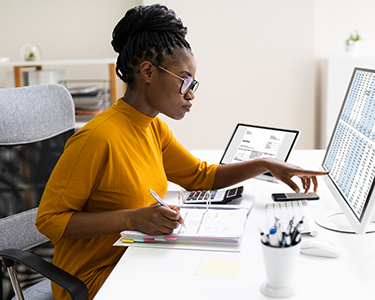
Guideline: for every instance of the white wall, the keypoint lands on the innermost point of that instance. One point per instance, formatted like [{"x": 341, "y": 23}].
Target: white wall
[
  {"x": 255, "y": 65},
  {"x": 69, "y": 29},
  {"x": 335, "y": 20},
  {"x": 245, "y": 41},
  {"x": 258, "y": 61}
]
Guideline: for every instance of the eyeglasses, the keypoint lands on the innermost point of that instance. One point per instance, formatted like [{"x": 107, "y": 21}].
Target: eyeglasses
[{"x": 189, "y": 83}]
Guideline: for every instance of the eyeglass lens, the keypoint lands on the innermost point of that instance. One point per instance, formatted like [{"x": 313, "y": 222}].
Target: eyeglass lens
[{"x": 189, "y": 84}]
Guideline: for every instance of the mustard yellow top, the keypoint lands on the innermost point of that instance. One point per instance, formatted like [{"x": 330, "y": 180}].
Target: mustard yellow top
[{"x": 110, "y": 164}]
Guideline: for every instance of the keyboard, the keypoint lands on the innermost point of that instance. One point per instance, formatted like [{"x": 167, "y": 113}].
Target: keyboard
[{"x": 285, "y": 211}]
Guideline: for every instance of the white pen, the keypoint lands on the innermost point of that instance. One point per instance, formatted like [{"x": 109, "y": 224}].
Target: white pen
[{"x": 156, "y": 196}]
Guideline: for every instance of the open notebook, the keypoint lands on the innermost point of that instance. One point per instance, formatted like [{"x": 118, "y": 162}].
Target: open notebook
[{"x": 219, "y": 227}]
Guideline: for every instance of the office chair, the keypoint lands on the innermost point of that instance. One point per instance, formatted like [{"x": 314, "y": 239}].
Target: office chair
[{"x": 35, "y": 123}]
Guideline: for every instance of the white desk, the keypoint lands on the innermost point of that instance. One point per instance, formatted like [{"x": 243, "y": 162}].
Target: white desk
[{"x": 147, "y": 273}]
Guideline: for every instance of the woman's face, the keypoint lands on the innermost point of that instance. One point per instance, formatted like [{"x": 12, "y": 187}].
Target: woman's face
[{"x": 163, "y": 92}]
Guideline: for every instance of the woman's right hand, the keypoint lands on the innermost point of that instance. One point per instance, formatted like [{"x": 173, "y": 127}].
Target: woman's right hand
[{"x": 156, "y": 219}]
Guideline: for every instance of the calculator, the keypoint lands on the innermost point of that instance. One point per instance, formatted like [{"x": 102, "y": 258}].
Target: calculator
[{"x": 216, "y": 196}]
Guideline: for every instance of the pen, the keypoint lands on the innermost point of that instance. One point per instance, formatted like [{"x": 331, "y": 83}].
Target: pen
[
  {"x": 288, "y": 241},
  {"x": 161, "y": 202},
  {"x": 296, "y": 230},
  {"x": 282, "y": 242},
  {"x": 290, "y": 226},
  {"x": 297, "y": 239},
  {"x": 264, "y": 238},
  {"x": 278, "y": 230}
]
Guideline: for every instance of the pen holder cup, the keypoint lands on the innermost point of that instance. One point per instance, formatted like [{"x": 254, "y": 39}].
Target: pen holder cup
[{"x": 281, "y": 264}]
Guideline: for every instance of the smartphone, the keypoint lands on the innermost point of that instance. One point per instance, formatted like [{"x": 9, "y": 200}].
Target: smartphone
[{"x": 294, "y": 196}]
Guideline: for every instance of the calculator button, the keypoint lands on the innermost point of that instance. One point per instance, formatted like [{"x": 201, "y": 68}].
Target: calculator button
[{"x": 202, "y": 195}]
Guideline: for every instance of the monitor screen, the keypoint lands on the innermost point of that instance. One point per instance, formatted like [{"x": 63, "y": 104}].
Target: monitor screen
[{"x": 350, "y": 156}]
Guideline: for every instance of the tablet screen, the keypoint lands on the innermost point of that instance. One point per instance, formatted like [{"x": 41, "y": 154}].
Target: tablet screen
[{"x": 250, "y": 142}]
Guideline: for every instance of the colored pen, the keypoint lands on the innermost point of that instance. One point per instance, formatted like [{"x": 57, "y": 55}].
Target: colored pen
[{"x": 161, "y": 202}]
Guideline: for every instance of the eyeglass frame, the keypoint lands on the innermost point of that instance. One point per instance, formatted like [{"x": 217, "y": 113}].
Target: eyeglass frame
[{"x": 192, "y": 86}]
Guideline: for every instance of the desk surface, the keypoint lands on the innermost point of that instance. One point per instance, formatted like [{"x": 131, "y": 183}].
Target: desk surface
[{"x": 147, "y": 273}]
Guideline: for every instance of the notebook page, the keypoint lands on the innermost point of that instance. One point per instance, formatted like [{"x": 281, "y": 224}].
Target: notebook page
[{"x": 212, "y": 222}]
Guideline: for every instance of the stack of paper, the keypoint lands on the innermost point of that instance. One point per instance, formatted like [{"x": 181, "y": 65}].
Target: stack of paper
[{"x": 214, "y": 226}]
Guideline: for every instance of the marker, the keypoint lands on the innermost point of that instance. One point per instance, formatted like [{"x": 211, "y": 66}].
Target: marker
[
  {"x": 161, "y": 202},
  {"x": 274, "y": 240}
]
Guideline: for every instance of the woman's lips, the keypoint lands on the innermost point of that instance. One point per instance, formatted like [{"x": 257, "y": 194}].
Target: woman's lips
[{"x": 188, "y": 107}]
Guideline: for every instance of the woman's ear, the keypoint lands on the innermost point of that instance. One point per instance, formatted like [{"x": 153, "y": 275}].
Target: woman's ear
[{"x": 145, "y": 71}]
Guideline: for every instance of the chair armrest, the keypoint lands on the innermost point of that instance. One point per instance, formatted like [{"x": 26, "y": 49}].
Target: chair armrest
[{"x": 76, "y": 288}]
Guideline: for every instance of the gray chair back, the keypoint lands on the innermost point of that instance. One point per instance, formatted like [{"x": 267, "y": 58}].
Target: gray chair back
[
  {"x": 35, "y": 122},
  {"x": 19, "y": 232},
  {"x": 34, "y": 113}
]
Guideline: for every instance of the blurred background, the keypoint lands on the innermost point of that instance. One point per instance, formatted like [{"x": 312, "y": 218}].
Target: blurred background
[{"x": 278, "y": 63}]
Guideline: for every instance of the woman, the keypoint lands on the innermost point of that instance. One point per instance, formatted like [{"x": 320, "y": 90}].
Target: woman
[{"x": 100, "y": 185}]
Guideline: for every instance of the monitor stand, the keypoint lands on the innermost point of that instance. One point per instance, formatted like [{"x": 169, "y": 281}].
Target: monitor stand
[{"x": 335, "y": 220}]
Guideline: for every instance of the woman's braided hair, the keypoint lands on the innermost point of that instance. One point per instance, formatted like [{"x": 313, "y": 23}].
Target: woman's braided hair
[{"x": 146, "y": 32}]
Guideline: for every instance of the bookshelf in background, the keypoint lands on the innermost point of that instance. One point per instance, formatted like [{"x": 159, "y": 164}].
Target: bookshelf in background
[
  {"x": 40, "y": 64},
  {"x": 90, "y": 97}
]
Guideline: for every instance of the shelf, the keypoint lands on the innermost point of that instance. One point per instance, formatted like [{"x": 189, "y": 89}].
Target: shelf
[
  {"x": 111, "y": 62},
  {"x": 90, "y": 97}
]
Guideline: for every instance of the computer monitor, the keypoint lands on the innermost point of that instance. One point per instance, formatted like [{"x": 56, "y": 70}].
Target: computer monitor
[{"x": 350, "y": 158}]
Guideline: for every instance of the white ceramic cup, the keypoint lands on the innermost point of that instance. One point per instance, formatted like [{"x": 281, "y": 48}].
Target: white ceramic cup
[{"x": 281, "y": 264}]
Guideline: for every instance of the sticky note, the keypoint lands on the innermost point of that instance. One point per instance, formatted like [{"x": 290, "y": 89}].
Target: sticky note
[{"x": 222, "y": 268}]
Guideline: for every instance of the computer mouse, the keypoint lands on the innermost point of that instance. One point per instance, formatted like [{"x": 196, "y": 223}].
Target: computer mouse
[{"x": 318, "y": 247}]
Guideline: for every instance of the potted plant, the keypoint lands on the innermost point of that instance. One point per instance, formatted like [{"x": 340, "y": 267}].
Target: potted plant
[
  {"x": 353, "y": 45},
  {"x": 30, "y": 51}
]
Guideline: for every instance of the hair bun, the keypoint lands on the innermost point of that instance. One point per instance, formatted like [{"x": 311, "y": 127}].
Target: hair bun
[{"x": 152, "y": 18}]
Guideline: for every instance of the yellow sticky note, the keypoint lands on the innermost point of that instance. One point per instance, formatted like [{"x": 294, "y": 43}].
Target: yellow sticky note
[{"x": 219, "y": 268}]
